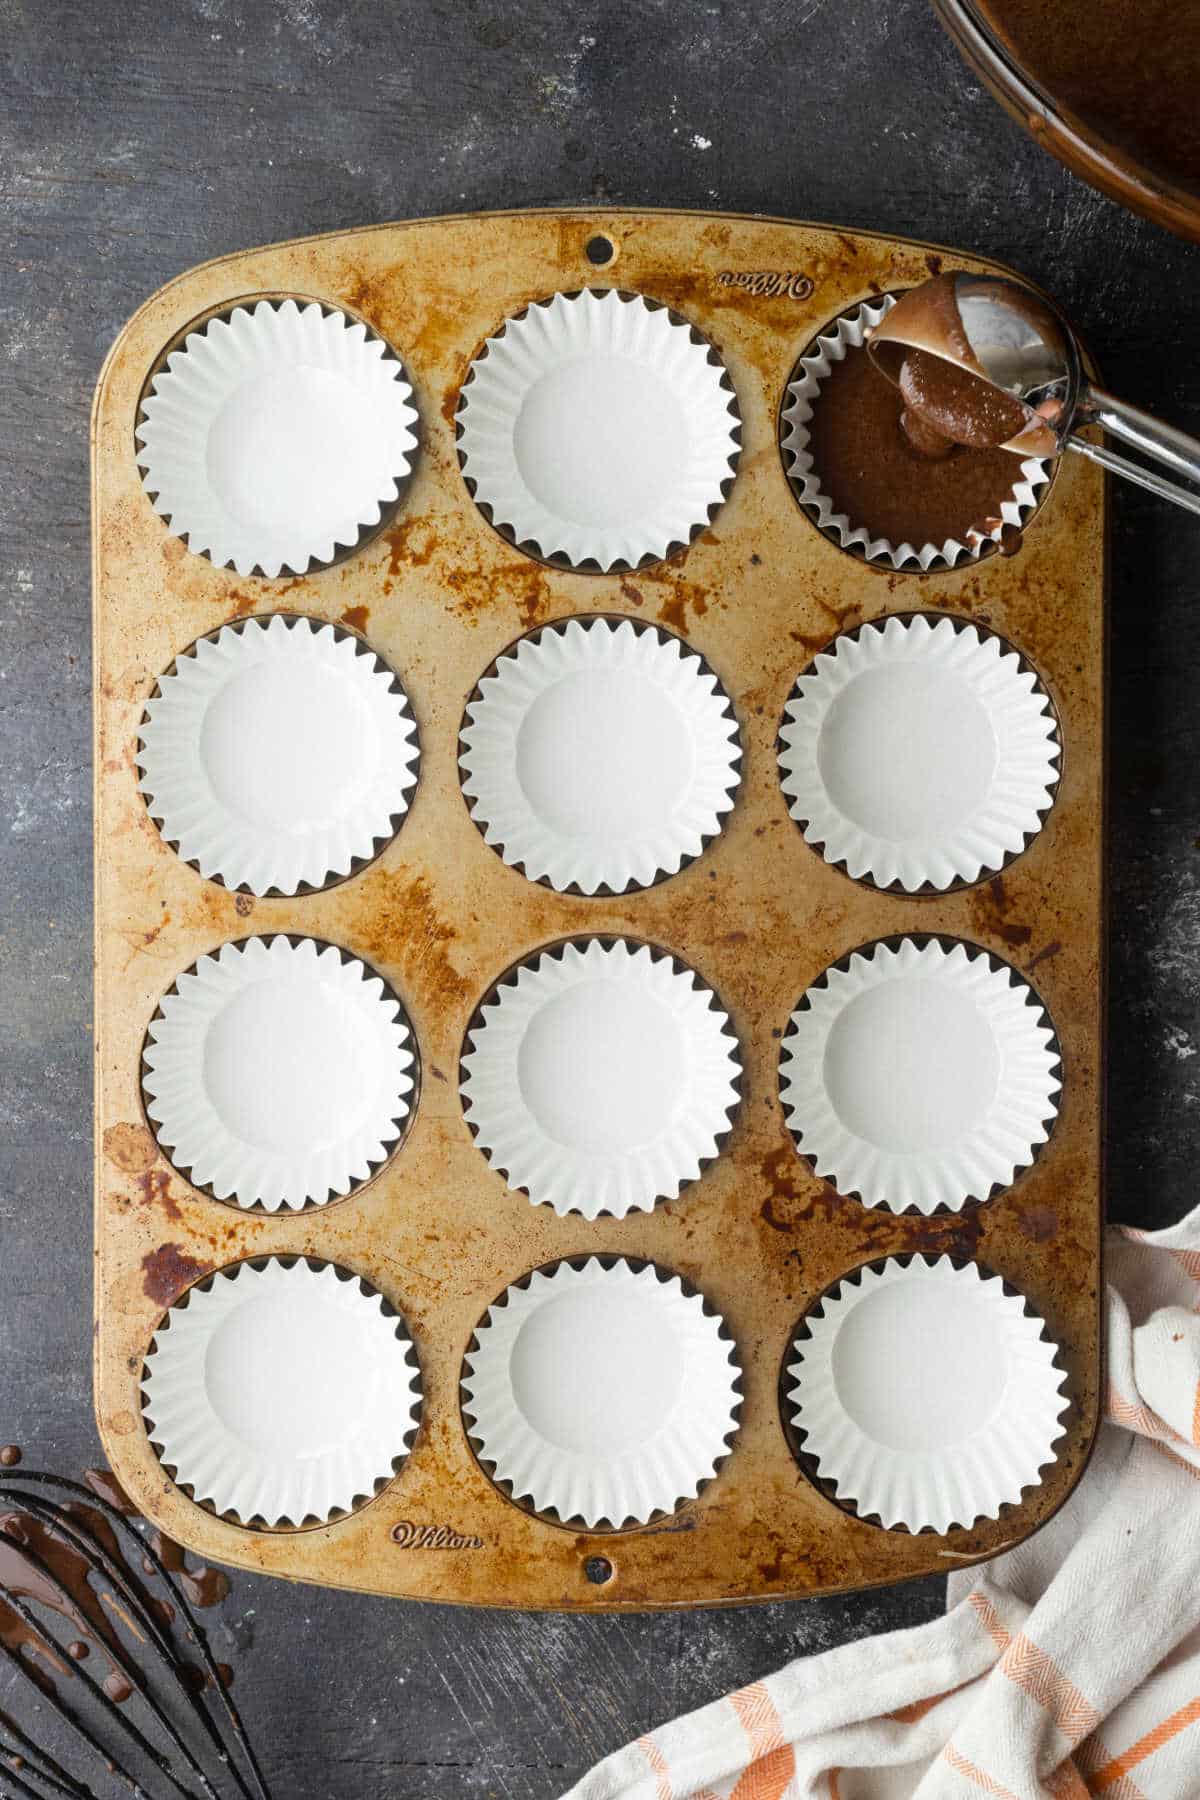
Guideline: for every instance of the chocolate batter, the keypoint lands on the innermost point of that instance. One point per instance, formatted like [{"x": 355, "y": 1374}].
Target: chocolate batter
[
  {"x": 1129, "y": 70},
  {"x": 865, "y": 463},
  {"x": 952, "y": 404}
]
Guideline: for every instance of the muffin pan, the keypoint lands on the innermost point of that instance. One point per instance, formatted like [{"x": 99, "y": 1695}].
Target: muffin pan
[{"x": 523, "y": 1019}]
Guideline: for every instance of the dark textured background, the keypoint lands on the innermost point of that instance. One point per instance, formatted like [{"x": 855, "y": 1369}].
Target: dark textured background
[{"x": 140, "y": 138}]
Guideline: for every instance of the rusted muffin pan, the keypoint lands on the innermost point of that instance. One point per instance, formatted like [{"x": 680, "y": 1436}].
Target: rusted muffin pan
[{"x": 597, "y": 985}]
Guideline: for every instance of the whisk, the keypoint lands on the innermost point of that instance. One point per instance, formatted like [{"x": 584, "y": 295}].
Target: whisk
[{"x": 80, "y": 1587}]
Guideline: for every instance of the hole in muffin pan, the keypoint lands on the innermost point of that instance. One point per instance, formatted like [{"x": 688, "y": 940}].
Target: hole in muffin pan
[
  {"x": 796, "y": 1437},
  {"x": 328, "y": 310},
  {"x": 997, "y": 965},
  {"x": 589, "y": 565},
  {"x": 600, "y": 250},
  {"x": 628, "y": 752},
  {"x": 556, "y": 950},
  {"x": 412, "y": 1095},
  {"x": 819, "y": 507},
  {"x": 598, "y": 1570},
  {"x": 407, "y": 1439},
  {"x": 607, "y": 1260},
  {"x": 927, "y": 889},
  {"x": 405, "y": 793}
]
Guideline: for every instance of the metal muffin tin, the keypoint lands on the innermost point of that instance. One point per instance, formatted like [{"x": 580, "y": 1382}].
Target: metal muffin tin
[{"x": 439, "y": 594}]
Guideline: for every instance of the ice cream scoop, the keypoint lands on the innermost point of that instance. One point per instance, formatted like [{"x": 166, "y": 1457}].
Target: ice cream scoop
[{"x": 1026, "y": 380}]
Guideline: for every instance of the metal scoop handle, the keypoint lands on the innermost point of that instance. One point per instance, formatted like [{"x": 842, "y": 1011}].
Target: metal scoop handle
[{"x": 1160, "y": 443}]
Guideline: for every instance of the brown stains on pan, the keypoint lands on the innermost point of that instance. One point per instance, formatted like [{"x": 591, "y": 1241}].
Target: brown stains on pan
[
  {"x": 130, "y": 1148},
  {"x": 356, "y": 617},
  {"x": 168, "y": 1270},
  {"x": 402, "y": 927},
  {"x": 990, "y": 907},
  {"x": 154, "y": 1189},
  {"x": 411, "y": 544}
]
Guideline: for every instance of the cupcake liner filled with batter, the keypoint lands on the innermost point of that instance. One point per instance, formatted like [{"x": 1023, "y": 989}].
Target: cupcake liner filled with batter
[{"x": 857, "y": 474}]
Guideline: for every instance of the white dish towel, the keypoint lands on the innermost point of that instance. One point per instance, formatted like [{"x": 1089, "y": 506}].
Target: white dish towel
[{"x": 1067, "y": 1667}]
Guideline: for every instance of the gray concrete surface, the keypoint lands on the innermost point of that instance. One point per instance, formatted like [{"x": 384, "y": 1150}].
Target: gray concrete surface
[{"x": 138, "y": 139}]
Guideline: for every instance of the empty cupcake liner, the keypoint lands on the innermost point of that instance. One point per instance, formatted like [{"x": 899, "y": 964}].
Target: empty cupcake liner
[
  {"x": 278, "y": 1074},
  {"x": 600, "y": 1077},
  {"x": 602, "y": 1392},
  {"x": 927, "y": 1395},
  {"x": 919, "y": 753},
  {"x": 599, "y": 756},
  {"x": 275, "y": 436},
  {"x": 919, "y": 1075},
  {"x": 278, "y": 755},
  {"x": 849, "y": 333},
  {"x": 281, "y": 1392},
  {"x": 597, "y": 428}
]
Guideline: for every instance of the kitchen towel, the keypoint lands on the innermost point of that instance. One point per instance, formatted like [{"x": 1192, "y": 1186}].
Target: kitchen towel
[{"x": 1067, "y": 1667}]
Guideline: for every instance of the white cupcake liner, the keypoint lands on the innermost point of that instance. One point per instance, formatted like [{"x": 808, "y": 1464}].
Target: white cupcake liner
[
  {"x": 282, "y": 1393},
  {"x": 275, "y": 436},
  {"x": 919, "y": 753},
  {"x": 927, "y": 1395},
  {"x": 278, "y": 1074},
  {"x": 599, "y": 756},
  {"x": 848, "y": 332},
  {"x": 600, "y": 1078},
  {"x": 601, "y": 1393},
  {"x": 597, "y": 429},
  {"x": 278, "y": 755},
  {"x": 919, "y": 1076}
]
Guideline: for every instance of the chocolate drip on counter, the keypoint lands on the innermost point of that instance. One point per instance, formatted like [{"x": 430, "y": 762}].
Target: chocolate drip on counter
[{"x": 79, "y": 1584}]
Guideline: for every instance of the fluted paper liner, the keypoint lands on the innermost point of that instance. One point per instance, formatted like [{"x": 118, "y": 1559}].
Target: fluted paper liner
[
  {"x": 275, "y": 436},
  {"x": 1030, "y": 475},
  {"x": 919, "y": 753},
  {"x": 278, "y": 755},
  {"x": 277, "y": 1074},
  {"x": 919, "y": 1075},
  {"x": 282, "y": 1393},
  {"x": 595, "y": 428},
  {"x": 927, "y": 1395},
  {"x": 606, "y": 1394},
  {"x": 600, "y": 1078},
  {"x": 599, "y": 755}
]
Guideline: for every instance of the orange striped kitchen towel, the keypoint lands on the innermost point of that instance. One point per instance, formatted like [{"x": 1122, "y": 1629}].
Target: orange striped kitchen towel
[{"x": 1067, "y": 1667}]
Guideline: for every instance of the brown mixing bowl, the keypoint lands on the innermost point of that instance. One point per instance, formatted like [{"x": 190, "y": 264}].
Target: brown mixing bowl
[{"x": 1107, "y": 86}]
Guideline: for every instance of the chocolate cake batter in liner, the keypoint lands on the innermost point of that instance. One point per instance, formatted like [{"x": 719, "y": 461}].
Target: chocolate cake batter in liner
[
  {"x": 920, "y": 1074},
  {"x": 927, "y": 1394},
  {"x": 279, "y": 1073},
  {"x": 282, "y": 1392},
  {"x": 919, "y": 753},
  {"x": 278, "y": 755},
  {"x": 599, "y": 756},
  {"x": 601, "y": 1391},
  {"x": 963, "y": 502},
  {"x": 598, "y": 429},
  {"x": 600, "y": 1077},
  {"x": 276, "y": 436}
]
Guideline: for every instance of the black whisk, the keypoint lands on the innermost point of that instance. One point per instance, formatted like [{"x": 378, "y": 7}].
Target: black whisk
[{"x": 80, "y": 1585}]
